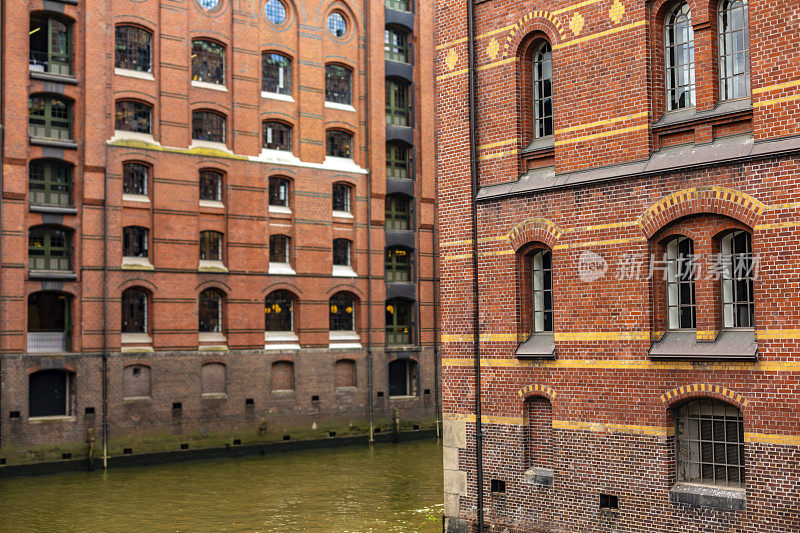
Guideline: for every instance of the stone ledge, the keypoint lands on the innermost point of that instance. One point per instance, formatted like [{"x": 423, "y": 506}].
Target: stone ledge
[
  {"x": 540, "y": 476},
  {"x": 697, "y": 495}
]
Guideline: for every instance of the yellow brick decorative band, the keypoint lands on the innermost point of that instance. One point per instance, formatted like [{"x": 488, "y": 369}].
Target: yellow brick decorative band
[
  {"x": 701, "y": 388},
  {"x": 602, "y": 135},
  {"x": 451, "y": 74},
  {"x": 610, "y": 242},
  {"x": 632, "y": 25},
  {"x": 605, "y": 122},
  {"x": 533, "y": 389},
  {"x": 590, "y": 336},
  {"x": 687, "y": 196},
  {"x": 776, "y": 101},
  {"x": 595, "y": 427},
  {"x": 575, "y": 6},
  {"x": 497, "y": 155},
  {"x": 778, "y": 225},
  {"x": 637, "y": 365},
  {"x": 498, "y": 144},
  {"x": 777, "y": 87},
  {"x": 764, "y": 438}
]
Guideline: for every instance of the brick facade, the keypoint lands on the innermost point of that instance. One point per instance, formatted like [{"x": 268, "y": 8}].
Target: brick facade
[
  {"x": 174, "y": 385},
  {"x": 618, "y": 178}
]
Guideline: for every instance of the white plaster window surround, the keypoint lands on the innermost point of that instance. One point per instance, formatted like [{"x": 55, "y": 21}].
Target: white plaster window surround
[
  {"x": 341, "y": 107},
  {"x": 279, "y": 209},
  {"x": 222, "y": 147},
  {"x": 281, "y": 340},
  {"x": 136, "y": 263},
  {"x": 344, "y": 164},
  {"x": 124, "y": 135},
  {"x": 209, "y": 337},
  {"x": 293, "y": 161},
  {"x": 343, "y": 271},
  {"x": 136, "y": 338},
  {"x": 212, "y": 86},
  {"x": 276, "y": 96},
  {"x": 344, "y": 340},
  {"x": 134, "y": 74},
  {"x": 284, "y": 269},
  {"x": 136, "y": 198},
  {"x": 211, "y": 266},
  {"x": 212, "y": 203},
  {"x": 342, "y": 214},
  {"x": 283, "y": 156}
]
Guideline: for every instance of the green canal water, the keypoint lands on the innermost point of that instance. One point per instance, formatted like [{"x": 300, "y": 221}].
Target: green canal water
[{"x": 385, "y": 488}]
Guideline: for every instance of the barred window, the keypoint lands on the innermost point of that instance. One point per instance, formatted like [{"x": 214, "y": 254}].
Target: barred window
[
  {"x": 134, "y": 49},
  {"x": 398, "y": 212},
  {"x": 543, "y": 90},
  {"x": 134, "y": 241},
  {"x": 337, "y": 24},
  {"x": 277, "y": 136},
  {"x": 278, "y": 311},
  {"x": 341, "y": 197},
  {"x": 710, "y": 443},
  {"x": 210, "y": 311},
  {"x": 50, "y": 182},
  {"x": 338, "y": 84},
  {"x": 132, "y": 115},
  {"x": 399, "y": 321},
  {"x": 679, "y": 57},
  {"x": 211, "y": 185},
  {"x": 208, "y": 126},
  {"x": 397, "y": 161},
  {"x": 341, "y": 252},
  {"x": 342, "y": 312},
  {"x": 734, "y": 50},
  {"x": 276, "y": 73},
  {"x": 397, "y": 103},
  {"x": 208, "y": 62},
  {"x": 399, "y": 5},
  {"x": 279, "y": 192},
  {"x": 275, "y": 11},
  {"x": 134, "y": 179},
  {"x": 738, "y": 273},
  {"x": 49, "y": 248},
  {"x": 279, "y": 246},
  {"x": 680, "y": 283},
  {"x": 542, "y": 288},
  {"x": 397, "y": 264},
  {"x": 49, "y": 117},
  {"x": 210, "y": 246},
  {"x": 395, "y": 44},
  {"x": 134, "y": 311},
  {"x": 339, "y": 144}
]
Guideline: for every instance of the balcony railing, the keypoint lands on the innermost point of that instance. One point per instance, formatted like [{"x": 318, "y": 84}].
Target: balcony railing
[
  {"x": 48, "y": 341},
  {"x": 50, "y": 63}
]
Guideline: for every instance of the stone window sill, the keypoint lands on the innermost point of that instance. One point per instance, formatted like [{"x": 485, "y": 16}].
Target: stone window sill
[
  {"x": 214, "y": 396},
  {"x": 57, "y": 143},
  {"x": 198, "y": 144},
  {"x": 710, "y": 496},
  {"x": 281, "y": 340},
  {"x": 284, "y": 269},
  {"x": 141, "y": 198},
  {"x": 211, "y": 266},
  {"x": 136, "y": 263},
  {"x": 729, "y": 345},
  {"x": 57, "y": 418},
  {"x": 53, "y": 274},
  {"x": 343, "y": 271},
  {"x": 277, "y": 96},
  {"x": 58, "y": 78},
  {"x": 280, "y": 210},
  {"x": 212, "y": 203},
  {"x": 342, "y": 214},
  {"x": 537, "y": 346},
  {"x": 134, "y": 74},
  {"x": 137, "y": 399},
  {"x": 59, "y": 210},
  {"x": 340, "y": 107},
  {"x": 211, "y": 86}
]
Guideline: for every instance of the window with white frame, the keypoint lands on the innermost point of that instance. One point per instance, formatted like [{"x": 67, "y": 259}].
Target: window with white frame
[
  {"x": 679, "y": 57},
  {"x": 738, "y": 273},
  {"x": 734, "y": 50},
  {"x": 681, "y": 265},
  {"x": 542, "y": 290}
]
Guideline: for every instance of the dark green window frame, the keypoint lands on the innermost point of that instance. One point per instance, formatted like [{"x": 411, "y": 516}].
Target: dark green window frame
[
  {"x": 55, "y": 36},
  {"x": 49, "y": 248},
  {"x": 398, "y": 5},
  {"x": 398, "y": 213},
  {"x": 395, "y": 44},
  {"x": 399, "y": 321},
  {"x": 50, "y": 117},
  {"x": 397, "y": 264},
  {"x": 50, "y": 183},
  {"x": 398, "y": 161},
  {"x": 397, "y": 103}
]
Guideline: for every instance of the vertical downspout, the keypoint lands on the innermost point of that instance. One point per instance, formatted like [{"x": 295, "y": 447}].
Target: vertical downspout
[
  {"x": 473, "y": 170},
  {"x": 105, "y": 319},
  {"x": 368, "y": 37},
  {"x": 2, "y": 155}
]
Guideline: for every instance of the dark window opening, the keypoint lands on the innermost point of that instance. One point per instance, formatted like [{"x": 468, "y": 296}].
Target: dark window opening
[
  {"x": 338, "y": 84},
  {"x": 398, "y": 213},
  {"x": 134, "y": 241},
  {"x": 680, "y": 283},
  {"x": 498, "y": 486},
  {"x": 210, "y": 246},
  {"x": 342, "y": 252},
  {"x": 396, "y": 45},
  {"x": 49, "y": 248},
  {"x": 134, "y": 314},
  {"x": 734, "y": 50},
  {"x": 210, "y": 314},
  {"x": 50, "y": 183},
  {"x": 397, "y": 264},
  {"x": 49, "y": 323},
  {"x": 398, "y": 110},
  {"x": 609, "y": 501},
  {"x": 135, "y": 116},
  {"x": 278, "y": 311},
  {"x": 277, "y": 136},
  {"x": 679, "y": 57},
  {"x": 341, "y": 197},
  {"x": 342, "y": 312},
  {"x": 208, "y": 126},
  {"x": 738, "y": 274},
  {"x": 399, "y": 321},
  {"x": 339, "y": 144},
  {"x": 211, "y": 185},
  {"x": 208, "y": 62},
  {"x": 403, "y": 377},
  {"x": 542, "y": 290},
  {"x": 398, "y": 158},
  {"x": 279, "y": 192},
  {"x": 48, "y": 393},
  {"x": 50, "y": 117},
  {"x": 134, "y": 179},
  {"x": 543, "y": 90},
  {"x": 279, "y": 247},
  {"x": 276, "y": 73},
  {"x": 133, "y": 49},
  {"x": 50, "y": 45}
]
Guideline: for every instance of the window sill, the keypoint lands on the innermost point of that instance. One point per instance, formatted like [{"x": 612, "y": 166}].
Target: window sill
[
  {"x": 690, "y": 115},
  {"x": 710, "y": 496},
  {"x": 141, "y": 198},
  {"x": 282, "y": 156},
  {"x": 214, "y": 396},
  {"x": 537, "y": 346},
  {"x": 53, "y": 209},
  {"x": 340, "y": 107},
  {"x": 211, "y": 266},
  {"x": 346, "y": 390},
  {"x": 124, "y": 135},
  {"x": 342, "y": 214},
  {"x": 403, "y": 397},
  {"x": 280, "y": 210},
  {"x": 58, "y": 78},
  {"x": 540, "y": 476},
  {"x": 341, "y": 271},
  {"x": 134, "y": 74},
  {"x": 135, "y": 338},
  {"x": 344, "y": 164},
  {"x": 277, "y": 96},
  {"x": 136, "y": 263},
  {"x": 137, "y": 399},
  {"x": 281, "y": 269},
  {"x": 56, "y": 418},
  {"x": 52, "y": 274},
  {"x": 211, "y": 86},
  {"x": 136, "y": 349},
  {"x": 281, "y": 340},
  {"x": 198, "y": 144},
  {"x": 211, "y": 336},
  {"x": 212, "y": 203},
  {"x": 540, "y": 144},
  {"x": 344, "y": 340},
  {"x": 56, "y": 143},
  {"x": 283, "y": 392},
  {"x": 730, "y": 345}
]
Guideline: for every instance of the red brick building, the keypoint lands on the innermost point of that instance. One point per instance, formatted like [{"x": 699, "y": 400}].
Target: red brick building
[
  {"x": 217, "y": 223},
  {"x": 634, "y": 232}
]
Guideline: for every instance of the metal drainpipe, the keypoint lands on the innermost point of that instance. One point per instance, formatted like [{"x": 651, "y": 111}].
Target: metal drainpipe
[
  {"x": 105, "y": 319},
  {"x": 473, "y": 170},
  {"x": 2, "y": 155},
  {"x": 370, "y": 407}
]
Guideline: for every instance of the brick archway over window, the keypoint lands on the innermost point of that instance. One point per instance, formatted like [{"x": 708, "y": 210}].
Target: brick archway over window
[
  {"x": 536, "y": 389},
  {"x": 703, "y": 390},
  {"x": 534, "y": 230},
  {"x": 535, "y": 21}
]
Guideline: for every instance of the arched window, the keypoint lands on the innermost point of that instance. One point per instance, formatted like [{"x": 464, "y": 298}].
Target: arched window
[
  {"x": 397, "y": 264},
  {"x": 210, "y": 185},
  {"x": 276, "y": 136},
  {"x": 50, "y": 182},
  {"x": 50, "y": 45},
  {"x": 212, "y": 379},
  {"x": 403, "y": 377},
  {"x": 338, "y": 84},
  {"x": 275, "y": 11},
  {"x": 342, "y": 312},
  {"x": 134, "y": 178},
  {"x": 134, "y": 311},
  {"x": 208, "y": 62},
  {"x": 278, "y": 192},
  {"x": 279, "y": 249},
  {"x": 134, "y": 49},
  {"x": 49, "y": 393},
  {"x": 282, "y": 376},
  {"x": 399, "y": 321},
  {"x": 679, "y": 57},
  {"x": 136, "y": 381},
  {"x": 49, "y": 324},
  {"x": 539, "y": 431},
  {"x": 135, "y": 116},
  {"x": 134, "y": 241},
  {"x": 208, "y": 126},
  {"x": 337, "y": 24},
  {"x": 734, "y": 50},
  {"x": 210, "y": 311},
  {"x": 680, "y": 283},
  {"x": 278, "y": 312},
  {"x": 398, "y": 161},
  {"x": 398, "y": 107},
  {"x": 49, "y": 248},
  {"x": 541, "y": 264},
  {"x": 542, "y": 64},
  {"x": 339, "y": 144},
  {"x": 345, "y": 370},
  {"x": 396, "y": 44},
  {"x": 342, "y": 252},
  {"x": 398, "y": 212},
  {"x": 50, "y": 117},
  {"x": 276, "y": 72},
  {"x": 341, "y": 197},
  {"x": 709, "y": 443},
  {"x": 210, "y": 246},
  {"x": 738, "y": 273}
]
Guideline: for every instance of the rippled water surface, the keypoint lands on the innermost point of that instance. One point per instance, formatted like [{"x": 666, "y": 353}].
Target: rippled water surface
[{"x": 386, "y": 488}]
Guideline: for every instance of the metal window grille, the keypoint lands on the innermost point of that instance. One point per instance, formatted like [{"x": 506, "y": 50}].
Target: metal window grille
[
  {"x": 208, "y": 62},
  {"x": 208, "y": 126},
  {"x": 337, "y": 25},
  {"x": 734, "y": 50},
  {"x": 134, "y": 241},
  {"x": 399, "y": 321},
  {"x": 710, "y": 443},
  {"x": 210, "y": 185},
  {"x": 342, "y": 312},
  {"x": 680, "y": 283},
  {"x": 48, "y": 322},
  {"x": 542, "y": 290},
  {"x": 50, "y": 183},
  {"x": 48, "y": 248},
  {"x": 279, "y": 248},
  {"x": 341, "y": 252},
  {"x": 50, "y": 117},
  {"x": 399, "y": 5},
  {"x": 341, "y": 197},
  {"x": 275, "y": 11},
  {"x": 210, "y": 246},
  {"x": 134, "y": 311},
  {"x": 133, "y": 116},
  {"x": 338, "y": 84},
  {"x": 738, "y": 273},
  {"x": 276, "y": 73},
  {"x": 279, "y": 192},
  {"x": 679, "y": 57},
  {"x": 339, "y": 144},
  {"x": 210, "y": 311},
  {"x": 278, "y": 311},
  {"x": 134, "y": 179},
  {"x": 397, "y": 265},
  {"x": 543, "y": 90},
  {"x": 398, "y": 213},
  {"x": 134, "y": 49},
  {"x": 397, "y": 161},
  {"x": 50, "y": 46},
  {"x": 277, "y": 136},
  {"x": 208, "y": 5},
  {"x": 395, "y": 45},
  {"x": 397, "y": 103}
]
